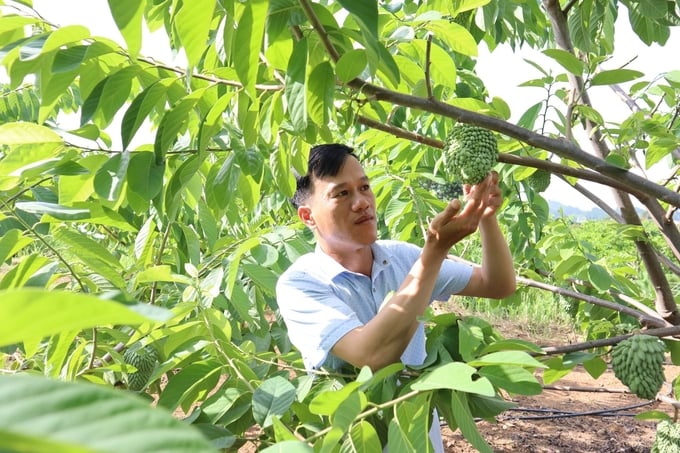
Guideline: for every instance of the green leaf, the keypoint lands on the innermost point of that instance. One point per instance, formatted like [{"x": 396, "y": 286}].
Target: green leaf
[
  {"x": 454, "y": 376},
  {"x": 144, "y": 176},
  {"x": 190, "y": 384},
  {"x": 529, "y": 117},
  {"x": 53, "y": 209},
  {"x": 327, "y": 402},
  {"x": 567, "y": 60},
  {"x": 94, "y": 255},
  {"x": 466, "y": 424},
  {"x": 110, "y": 178},
  {"x": 320, "y": 92},
  {"x": 141, "y": 107},
  {"x": 128, "y": 17},
  {"x": 455, "y": 37},
  {"x": 272, "y": 398},
  {"x": 599, "y": 277},
  {"x": 108, "y": 96},
  {"x": 295, "y": 88},
  {"x": 351, "y": 64},
  {"x": 517, "y": 358},
  {"x": 653, "y": 415},
  {"x": 192, "y": 23},
  {"x": 362, "y": 438},
  {"x": 21, "y": 133},
  {"x": 22, "y": 314},
  {"x": 248, "y": 42},
  {"x": 512, "y": 344},
  {"x": 614, "y": 76},
  {"x": 365, "y": 12},
  {"x": 512, "y": 379},
  {"x": 173, "y": 122},
  {"x": 595, "y": 366},
  {"x": 11, "y": 243},
  {"x": 100, "y": 419},
  {"x": 289, "y": 446}
]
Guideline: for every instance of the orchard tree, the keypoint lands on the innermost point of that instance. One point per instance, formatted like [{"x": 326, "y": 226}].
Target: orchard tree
[{"x": 140, "y": 249}]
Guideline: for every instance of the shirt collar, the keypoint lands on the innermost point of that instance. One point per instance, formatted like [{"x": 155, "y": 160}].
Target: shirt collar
[{"x": 381, "y": 259}]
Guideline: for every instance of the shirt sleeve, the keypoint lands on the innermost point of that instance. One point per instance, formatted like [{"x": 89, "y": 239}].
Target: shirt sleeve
[
  {"x": 315, "y": 317},
  {"x": 453, "y": 278}
]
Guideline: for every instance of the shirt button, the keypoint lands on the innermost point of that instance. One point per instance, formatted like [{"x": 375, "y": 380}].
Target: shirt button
[
  {"x": 374, "y": 289},
  {"x": 384, "y": 262}
]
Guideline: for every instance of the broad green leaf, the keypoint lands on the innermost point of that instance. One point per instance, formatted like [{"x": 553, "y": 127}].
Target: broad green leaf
[
  {"x": 91, "y": 253},
  {"x": 54, "y": 210},
  {"x": 529, "y": 117},
  {"x": 512, "y": 344},
  {"x": 327, "y": 402},
  {"x": 192, "y": 23},
  {"x": 615, "y": 76},
  {"x": 351, "y": 64},
  {"x": 466, "y": 424},
  {"x": 109, "y": 180},
  {"x": 281, "y": 431},
  {"x": 653, "y": 415},
  {"x": 22, "y": 313},
  {"x": 272, "y": 398},
  {"x": 11, "y": 243},
  {"x": 659, "y": 147},
  {"x": 29, "y": 268},
  {"x": 362, "y": 438},
  {"x": 320, "y": 91},
  {"x": 190, "y": 384},
  {"x": 144, "y": 176},
  {"x": 100, "y": 419},
  {"x": 595, "y": 366},
  {"x": 65, "y": 35},
  {"x": 365, "y": 13},
  {"x": 23, "y": 133},
  {"x": 161, "y": 273},
  {"x": 599, "y": 277},
  {"x": 141, "y": 107},
  {"x": 289, "y": 446},
  {"x": 570, "y": 266},
  {"x": 128, "y": 17},
  {"x": 108, "y": 96},
  {"x": 295, "y": 88},
  {"x": 248, "y": 42},
  {"x": 397, "y": 438},
  {"x": 517, "y": 358},
  {"x": 213, "y": 121},
  {"x": 567, "y": 60},
  {"x": 513, "y": 379},
  {"x": 455, "y": 37},
  {"x": 174, "y": 121},
  {"x": 454, "y": 376},
  {"x": 348, "y": 410}
]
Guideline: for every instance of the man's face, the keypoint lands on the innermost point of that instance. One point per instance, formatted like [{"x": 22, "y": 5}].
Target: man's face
[{"x": 341, "y": 210}]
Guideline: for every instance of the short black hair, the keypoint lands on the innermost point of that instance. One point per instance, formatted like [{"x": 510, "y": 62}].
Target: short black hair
[{"x": 324, "y": 160}]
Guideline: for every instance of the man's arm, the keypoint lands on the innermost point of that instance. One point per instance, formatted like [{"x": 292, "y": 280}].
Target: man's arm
[{"x": 382, "y": 340}]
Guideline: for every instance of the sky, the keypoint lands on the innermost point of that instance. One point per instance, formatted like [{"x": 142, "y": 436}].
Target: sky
[{"x": 652, "y": 60}]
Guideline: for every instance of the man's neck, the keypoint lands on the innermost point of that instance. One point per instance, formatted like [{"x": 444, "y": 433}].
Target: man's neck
[{"x": 359, "y": 260}]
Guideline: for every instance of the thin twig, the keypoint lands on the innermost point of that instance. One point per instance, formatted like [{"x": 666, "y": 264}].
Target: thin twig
[{"x": 428, "y": 63}]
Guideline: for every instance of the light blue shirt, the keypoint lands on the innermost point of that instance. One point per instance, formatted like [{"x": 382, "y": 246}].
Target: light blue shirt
[{"x": 321, "y": 301}]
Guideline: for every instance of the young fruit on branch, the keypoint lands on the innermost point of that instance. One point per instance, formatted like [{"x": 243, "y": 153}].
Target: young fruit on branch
[
  {"x": 667, "y": 438},
  {"x": 470, "y": 152},
  {"x": 539, "y": 180},
  {"x": 638, "y": 363},
  {"x": 144, "y": 359}
]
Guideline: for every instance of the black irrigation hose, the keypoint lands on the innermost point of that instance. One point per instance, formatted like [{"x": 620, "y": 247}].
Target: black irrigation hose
[{"x": 556, "y": 413}]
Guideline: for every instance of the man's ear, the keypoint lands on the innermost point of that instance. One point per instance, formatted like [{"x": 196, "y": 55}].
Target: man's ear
[{"x": 305, "y": 214}]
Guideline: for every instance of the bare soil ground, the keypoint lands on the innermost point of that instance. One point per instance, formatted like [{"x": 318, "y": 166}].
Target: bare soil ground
[{"x": 565, "y": 420}]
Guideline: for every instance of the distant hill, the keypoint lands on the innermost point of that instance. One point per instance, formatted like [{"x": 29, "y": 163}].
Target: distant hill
[{"x": 557, "y": 209}]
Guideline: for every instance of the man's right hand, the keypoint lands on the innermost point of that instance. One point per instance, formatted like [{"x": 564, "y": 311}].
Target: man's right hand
[{"x": 457, "y": 221}]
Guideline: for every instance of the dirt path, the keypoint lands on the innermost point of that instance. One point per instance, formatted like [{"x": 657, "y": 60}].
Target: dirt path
[{"x": 618, "y": 432}]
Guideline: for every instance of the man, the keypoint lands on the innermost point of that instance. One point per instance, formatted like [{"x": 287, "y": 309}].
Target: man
[{"x": 336, "y": 302}]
